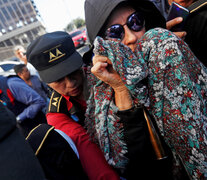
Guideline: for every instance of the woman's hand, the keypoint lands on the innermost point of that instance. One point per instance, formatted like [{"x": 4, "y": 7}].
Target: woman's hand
[
  {"x": 102, "y": 69},
  {"x": 174, "y": 22}
]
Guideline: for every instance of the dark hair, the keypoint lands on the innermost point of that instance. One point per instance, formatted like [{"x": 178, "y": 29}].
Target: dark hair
[{"x": 19, "y": 68}]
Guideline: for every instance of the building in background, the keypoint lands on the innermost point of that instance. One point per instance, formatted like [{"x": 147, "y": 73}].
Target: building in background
[{"x": 20, "y": 23}]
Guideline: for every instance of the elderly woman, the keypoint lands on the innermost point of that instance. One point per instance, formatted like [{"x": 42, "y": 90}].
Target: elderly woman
[{"x": 138, "y": 70}]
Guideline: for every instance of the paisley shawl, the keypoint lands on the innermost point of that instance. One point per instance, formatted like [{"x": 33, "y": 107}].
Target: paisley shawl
[{"x": 175, "y": 96}]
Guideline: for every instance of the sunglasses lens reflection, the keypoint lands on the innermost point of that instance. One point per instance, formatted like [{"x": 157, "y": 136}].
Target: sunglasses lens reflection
[
  {"x": 115, "y": 31},
  {"x": 135, "y": 22}
]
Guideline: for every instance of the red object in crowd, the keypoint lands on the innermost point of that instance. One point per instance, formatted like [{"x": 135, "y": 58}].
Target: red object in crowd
[{"x": 79, "y": 37}]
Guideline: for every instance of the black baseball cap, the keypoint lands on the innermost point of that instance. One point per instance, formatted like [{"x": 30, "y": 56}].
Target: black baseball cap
[{"x": 54, "y": 56}]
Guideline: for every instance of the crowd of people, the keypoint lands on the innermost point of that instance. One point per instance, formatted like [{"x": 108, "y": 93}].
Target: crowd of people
[{"x": 133, "y": 107}]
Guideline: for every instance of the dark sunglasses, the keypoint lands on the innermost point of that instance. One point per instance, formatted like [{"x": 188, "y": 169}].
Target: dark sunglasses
[{"x": 134, "y": 22}]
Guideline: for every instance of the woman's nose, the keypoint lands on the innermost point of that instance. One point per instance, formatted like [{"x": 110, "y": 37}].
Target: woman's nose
[{"x": 129, "y": 37}]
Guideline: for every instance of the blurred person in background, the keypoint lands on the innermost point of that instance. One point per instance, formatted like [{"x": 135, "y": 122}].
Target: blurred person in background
[
  {"x": 33, "y": 81},
  {"x": 31, "y": 106},
  {"x": 20, "y": 53},
  {"x": 6, "y": 96},
  {"x": 195, "y": 27},
  {"x": 163, "y": 6}
]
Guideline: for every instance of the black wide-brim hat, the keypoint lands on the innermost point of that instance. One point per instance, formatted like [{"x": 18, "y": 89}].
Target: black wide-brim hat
[
  {"x": 54, "y": 56},
  {"x": 98, "y": 11},
  {"x": 17, "y": 159}
]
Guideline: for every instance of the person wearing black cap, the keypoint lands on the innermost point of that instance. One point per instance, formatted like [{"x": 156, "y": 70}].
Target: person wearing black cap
[
  {"x": 20, "y": 53},
  {"x": 60, "y": 66},
  {"x": 126, "y": 22}
]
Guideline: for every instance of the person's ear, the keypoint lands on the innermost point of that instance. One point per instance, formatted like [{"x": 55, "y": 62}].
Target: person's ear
[{"x": 19, "y": 74}]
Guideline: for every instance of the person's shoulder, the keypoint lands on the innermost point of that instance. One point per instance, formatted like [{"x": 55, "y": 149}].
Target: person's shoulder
[
  {"x": 3, "y": 80},
  {"x": 59, "y": 104},
  {"x": 14, "y": 79},
  {"x": 198, "y": 6},
  {"x": 56, "y": 102}
]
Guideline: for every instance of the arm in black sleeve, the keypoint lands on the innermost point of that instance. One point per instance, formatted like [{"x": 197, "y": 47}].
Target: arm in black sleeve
[
  {"x": 135, "y": 132},
  {"x": 140, "y": 152},
  {"x": 142, "y": 159}
]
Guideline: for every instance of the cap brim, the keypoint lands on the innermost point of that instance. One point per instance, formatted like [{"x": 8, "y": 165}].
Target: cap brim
[{"x": 54, "y": 73}]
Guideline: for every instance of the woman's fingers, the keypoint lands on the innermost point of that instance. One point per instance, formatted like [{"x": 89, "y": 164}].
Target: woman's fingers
[
  {"x": 98, "y": 58},
  {"x": 174, "y": 22},
  {"x": 98, "y": 67},
  {"x": 180, "y": 34}
]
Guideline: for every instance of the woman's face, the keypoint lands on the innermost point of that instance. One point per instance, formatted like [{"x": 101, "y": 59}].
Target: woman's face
[{"x": 120, "y": 16}]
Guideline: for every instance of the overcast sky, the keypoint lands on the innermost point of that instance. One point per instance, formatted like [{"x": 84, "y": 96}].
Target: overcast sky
[{"x": 56, "y": 14}]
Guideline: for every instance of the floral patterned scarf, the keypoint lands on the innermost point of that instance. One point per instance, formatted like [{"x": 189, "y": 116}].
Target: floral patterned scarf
[{"x": 175, "y": 96}]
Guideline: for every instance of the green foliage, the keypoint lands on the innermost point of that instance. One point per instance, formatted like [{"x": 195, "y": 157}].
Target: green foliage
[
  {"x": 76, "y": 23},
  {"x": 79, "y": 22},
  {"x": 70, "y": 27}
]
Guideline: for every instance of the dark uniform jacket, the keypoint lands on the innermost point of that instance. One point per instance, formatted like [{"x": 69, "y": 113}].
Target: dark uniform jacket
[
  {"x": 17, "y": 158},
  {"x": 67, "y": 114}
]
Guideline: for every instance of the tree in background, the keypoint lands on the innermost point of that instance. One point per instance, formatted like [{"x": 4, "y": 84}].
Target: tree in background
[
  {"x": 79, "y": 22},
  {"x": 70, "y": 27},
  {"x": 75, "y": 24}
]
